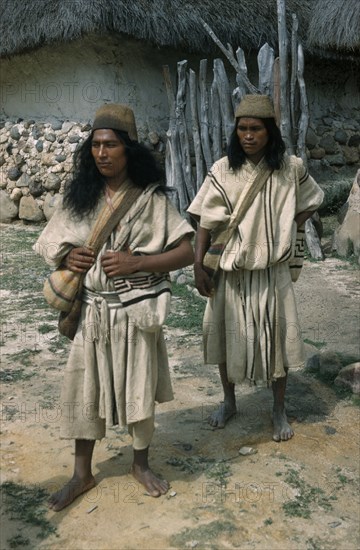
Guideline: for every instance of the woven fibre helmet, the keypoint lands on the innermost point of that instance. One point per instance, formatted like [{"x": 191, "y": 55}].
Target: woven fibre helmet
[
  {"x": 255, "y": 106},
  {"x": 115, "y": 116}
]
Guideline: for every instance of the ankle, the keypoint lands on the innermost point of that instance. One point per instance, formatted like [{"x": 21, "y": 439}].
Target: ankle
[
  {"x": 229, "y": 392},
  {"x": 141, "y": 459},
  {"x": 81, "y": 476}
]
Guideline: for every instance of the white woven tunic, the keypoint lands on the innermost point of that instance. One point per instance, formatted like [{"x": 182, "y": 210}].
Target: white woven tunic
[
  {"x": 115, "y": 371},
  {"x": 251, "y": 322}
]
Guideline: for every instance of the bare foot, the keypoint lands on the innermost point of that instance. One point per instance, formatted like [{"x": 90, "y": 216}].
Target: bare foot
[
  {"x": 74, "y": 488},
  {"x": 219, "y": 418},
  {"x": 282, "y": 429},
  {"x": 154, "y": 485}
]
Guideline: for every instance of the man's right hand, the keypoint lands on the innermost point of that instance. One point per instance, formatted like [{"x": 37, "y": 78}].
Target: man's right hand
[
  {"x": 203, "y": 281},
  {"x": 79, "y": 259}
]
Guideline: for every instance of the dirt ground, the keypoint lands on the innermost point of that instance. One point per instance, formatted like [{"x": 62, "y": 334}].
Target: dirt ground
[{"x": 300, "y": 494}]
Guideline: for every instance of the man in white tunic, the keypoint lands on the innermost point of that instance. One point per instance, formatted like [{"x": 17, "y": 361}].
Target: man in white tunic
[
  {"x": 118, "y": 367},
  {"x": 251, "y": 327}
]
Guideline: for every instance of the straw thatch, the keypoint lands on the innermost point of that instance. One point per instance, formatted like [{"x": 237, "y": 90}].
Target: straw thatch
[
  {"x": 335, "y": 25},
  {"x": 30, "y": 24}
]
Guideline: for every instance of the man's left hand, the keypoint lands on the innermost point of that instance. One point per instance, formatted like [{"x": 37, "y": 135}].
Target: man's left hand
[{"x": 116, "y": 264}]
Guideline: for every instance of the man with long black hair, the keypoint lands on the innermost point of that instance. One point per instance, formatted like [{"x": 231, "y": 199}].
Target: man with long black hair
[
  {"x": 117, "y": 368},
  {"x": 251, "y": 327}
]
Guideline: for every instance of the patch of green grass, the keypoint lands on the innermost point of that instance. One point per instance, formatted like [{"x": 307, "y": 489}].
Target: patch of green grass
[
  {"x": 307, "y": 499},
  {"x": 355, "y": 400},
  {"x": 187, "y": 370},
  {"x": 8, "y": 412},
  {"x": 268, "y": 521},
  {"x": 206, "y": 533},
  {"x": 329, "y": 223},
  {"x": 187, "y": 311},
  {"x": 281, "y": 456},
  {"x": 21, "y": 269},
  {"x": 18, "y": 541},
  {"x": 351, "y": 260},
  {"x": 45, "y": 328},
  {"x": 219, "y": 471},
  {"x": 344, "y": 393},
  {"x": 313, "y": 544},
  {"x": 191, "y": 464},
  {"x": 317, "y": 345},
  {"x": 48, "y": 405},
  {"x": 26, "y": 504},
  {"x": 309, "y": 258},
  {"x": 59, "y": 344},
  {"x": 24, "y": 357},
  {"x": 346, "y": 267},
  {"x": 29, "y": 279},
  {"x": 344, "y": 479},
  {"x": 14, "y": 375}
]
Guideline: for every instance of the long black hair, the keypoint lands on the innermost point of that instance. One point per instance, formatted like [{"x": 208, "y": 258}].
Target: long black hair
[
  {"x": 274, "y": 152},
  {"x": 86, "y": 187}
]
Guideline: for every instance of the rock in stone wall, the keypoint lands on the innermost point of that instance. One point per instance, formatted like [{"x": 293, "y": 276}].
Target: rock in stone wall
[
  {"x": 36, "y": 161},
  {"x": 8, "y": 208}
]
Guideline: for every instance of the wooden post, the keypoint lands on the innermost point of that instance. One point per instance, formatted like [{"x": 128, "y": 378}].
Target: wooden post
[
  {"x": 230, "y": 56},
  {"x": 195, "y": 130},
  {"x": 266, "y": 60},
  {"x": 240, "y": 89},
  {"x": 285, "y": 124},
  {"x": 204, "y": 116},
  {"x": 174, "y": 175},
  {"x": 276, "y": 93},
  {"x": 293, "y": 77},
  {"x": 181, "y": 126},
  {"x": 216, "y": 134},
  {"x": 304, "y": 106},
  {"x": 226, "y": 107},
  {"x": 313, "y": 241}
]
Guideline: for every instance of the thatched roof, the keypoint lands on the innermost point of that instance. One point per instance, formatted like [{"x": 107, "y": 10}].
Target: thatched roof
[
  {"x": 25, "y": 25},
  {"x": 335, "y": 25}
]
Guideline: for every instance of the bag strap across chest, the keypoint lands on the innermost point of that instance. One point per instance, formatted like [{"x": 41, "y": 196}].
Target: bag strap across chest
[
  {"x": 108, "y": 218},
  {"x": 212, "y": 257}
]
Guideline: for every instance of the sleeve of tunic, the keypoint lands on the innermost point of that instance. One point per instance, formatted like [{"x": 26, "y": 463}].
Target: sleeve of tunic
[
  {"x": 196, "y": 205},
  {"x": 310, "y": 195},
  {"x": 159, "y": 228},
  {"x": 211, "y": 205},
  {"x": 177, "y": 227},
  {"x": 60, "y": 235}
]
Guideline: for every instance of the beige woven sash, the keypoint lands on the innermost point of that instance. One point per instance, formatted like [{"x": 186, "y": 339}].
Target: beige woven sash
[{"x": 108, "y": 218}]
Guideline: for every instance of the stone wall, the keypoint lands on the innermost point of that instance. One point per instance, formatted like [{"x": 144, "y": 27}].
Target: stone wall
[
  {"x": 35, "y": 163},
  {"x": 335, "y": 140},
  {"x": 333, "y": 150}
]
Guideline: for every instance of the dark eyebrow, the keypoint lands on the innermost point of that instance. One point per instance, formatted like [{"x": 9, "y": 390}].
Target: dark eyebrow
[
  {"x": 106, "y": 141},
  {"x": 251, "y": 126}
]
